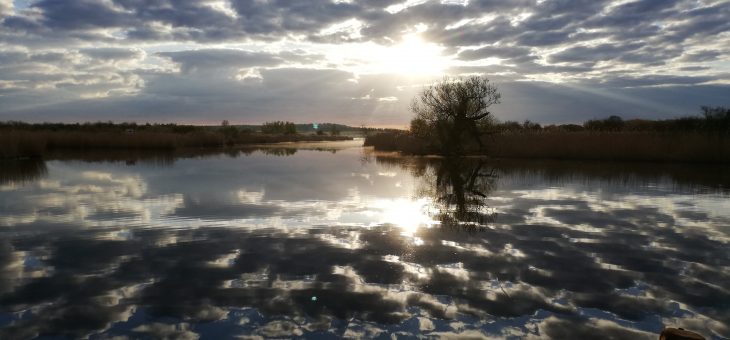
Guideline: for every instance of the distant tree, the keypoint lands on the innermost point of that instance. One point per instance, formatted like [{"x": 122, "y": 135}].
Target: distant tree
[
  {"x": 572, "y": 127},
  {"x": 279, "y": 127},
  {"x": 530, "y": 125},
  {"x": 229, "y": 132},
  {"x": 334, "y": 131},
  {"x": 453, "y": 107},
  {"x": 510, "y": 126},
  {"x": 420, "y": 128},
  {"x": 612, "y": 123},
  {"x": 716, "y": 119},
  {"x": 290, "y": 128}
]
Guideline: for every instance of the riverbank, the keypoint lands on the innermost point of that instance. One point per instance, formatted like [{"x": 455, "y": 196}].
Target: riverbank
[
  {"x": 36, "y": 144},
  {"x": 694, "y": 147}
]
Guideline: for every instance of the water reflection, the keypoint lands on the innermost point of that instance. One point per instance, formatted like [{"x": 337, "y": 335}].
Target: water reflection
[
  {"x": 461, "y": 187},
  {"x": 21, "y": 171},
  {"x": 319, "y": 244}
]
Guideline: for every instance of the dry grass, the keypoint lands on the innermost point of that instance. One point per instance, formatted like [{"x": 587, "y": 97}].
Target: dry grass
[
  {"x": 397, "y": 141},
  {"x": 22, "y": 171},
  {"x": 21, "y": 144},
  {"x": 258, "y": 138},
  {"x": 139, "y": 140},
  {"x": 617, "y": 146},
  {"x": 29, "y": 144},
  {"x": 583, "y": 145}
]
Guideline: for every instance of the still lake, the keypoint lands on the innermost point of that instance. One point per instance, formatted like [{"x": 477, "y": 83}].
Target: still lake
[{"x": 330, "y": 240}]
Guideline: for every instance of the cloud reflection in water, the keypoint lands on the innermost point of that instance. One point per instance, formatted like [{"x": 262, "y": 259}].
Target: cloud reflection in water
[{"x": 272, "y": 246}]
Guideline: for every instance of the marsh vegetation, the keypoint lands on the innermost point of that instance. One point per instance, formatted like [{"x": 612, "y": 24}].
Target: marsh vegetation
[
  {"x": 452, "y": 118},
  {"x": 22, "y": 140}
]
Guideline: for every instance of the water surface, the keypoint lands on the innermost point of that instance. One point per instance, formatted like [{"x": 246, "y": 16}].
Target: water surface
[{"x": 332, "y": 240}]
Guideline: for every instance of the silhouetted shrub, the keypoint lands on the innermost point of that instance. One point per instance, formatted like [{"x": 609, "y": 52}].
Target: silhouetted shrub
[
  {"x": 398, "y": 141},
  {"x": 613, "y": 123},
  {"x": 279, "y": 127},
  {"x": 717, "y": 119},
  {"x": 448, "y": 113}
]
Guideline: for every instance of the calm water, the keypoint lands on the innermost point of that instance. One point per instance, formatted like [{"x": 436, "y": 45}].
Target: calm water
[{"x": 332, "y": 240}]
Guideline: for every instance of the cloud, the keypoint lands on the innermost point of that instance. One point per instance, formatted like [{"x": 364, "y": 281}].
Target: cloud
[
  {"x": 596, "y": 53},
  {"x": 112, "y": 53},
  {"x": 203, "y": 60},
  {"x": 503, "y": 52},
  {"x": 146, "y": 271},
  {"x": 143, "y": 57}
]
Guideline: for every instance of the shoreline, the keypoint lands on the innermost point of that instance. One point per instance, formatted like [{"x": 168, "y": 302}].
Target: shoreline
[
  {"x": 647, "y": 147},
  {"x": 28, "y": 145}
]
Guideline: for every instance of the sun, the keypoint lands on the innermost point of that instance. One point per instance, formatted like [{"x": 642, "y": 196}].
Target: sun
[
  {"x": 413, "y": 55},
  {"x": 410, "y": 56},
  {"x": 409, "y": 215}
]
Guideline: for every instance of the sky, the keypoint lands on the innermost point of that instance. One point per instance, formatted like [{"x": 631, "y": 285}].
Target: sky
[{"x": 357, "y": 62}]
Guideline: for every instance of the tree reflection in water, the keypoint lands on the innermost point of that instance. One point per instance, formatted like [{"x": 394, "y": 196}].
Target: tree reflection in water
[
  {"x": 205, "y": 252},
  {"x": 461, "y": 187},
  {"x": 21, "y": 171}
]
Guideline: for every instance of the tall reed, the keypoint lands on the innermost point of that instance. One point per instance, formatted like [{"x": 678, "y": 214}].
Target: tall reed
[
  {"x": 579, "y": 145},
  {"x": 618, "y": 146},
  {"x": 23, "y": 144}
]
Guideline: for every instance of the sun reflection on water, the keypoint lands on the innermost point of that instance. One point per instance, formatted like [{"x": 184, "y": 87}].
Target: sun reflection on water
[{"x": 409, "y": 215}]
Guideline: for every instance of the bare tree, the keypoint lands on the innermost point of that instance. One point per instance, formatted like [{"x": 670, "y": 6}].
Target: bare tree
[{"x": 453, "y": 107}]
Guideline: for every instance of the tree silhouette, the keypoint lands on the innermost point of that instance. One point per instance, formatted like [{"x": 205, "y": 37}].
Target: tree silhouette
[
  {"x": 460, "y": 187},
  {"x": 451, "y": 108}
]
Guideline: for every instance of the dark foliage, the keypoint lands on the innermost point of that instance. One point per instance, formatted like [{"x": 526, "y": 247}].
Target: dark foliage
[
  {"x": 279, "y": 127},
  {"x": 448, "y": 113}
]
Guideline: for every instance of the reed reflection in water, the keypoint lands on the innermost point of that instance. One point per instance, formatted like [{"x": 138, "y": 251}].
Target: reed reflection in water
[{"x": 322, "y": 244}]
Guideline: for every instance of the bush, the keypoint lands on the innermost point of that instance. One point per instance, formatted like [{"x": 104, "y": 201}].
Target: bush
[
  {"x": 613, "y": 123},
  {"x": 398, "y": 141},
  {"x": 279, "y": 127}
]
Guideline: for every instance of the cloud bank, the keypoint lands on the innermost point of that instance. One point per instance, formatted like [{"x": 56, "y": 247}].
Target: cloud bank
[{"x": 356, "y": 62}]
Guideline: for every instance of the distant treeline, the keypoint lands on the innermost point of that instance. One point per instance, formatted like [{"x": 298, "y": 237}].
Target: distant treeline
[
  {"x": 21, "y": 140},
  {"x": 713, "y": 119},
  {"x": 101, "y": 127},
  {"x": 274, "y": 127},
  {"x": 279, "y": 127},
  {"x": 704, "y": 138}
]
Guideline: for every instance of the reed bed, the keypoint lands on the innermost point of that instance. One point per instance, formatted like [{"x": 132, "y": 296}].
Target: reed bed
[
  {"x": 398, "y": 141},
  {"x": 257, "y": 138},
  {"x": 581, "y": 145},
  {"x": 32, "y": 144},
  {"x": 612, "y": 146},
  {"x": 22, "y": 171},
  {"x": 21, "y": 144}
]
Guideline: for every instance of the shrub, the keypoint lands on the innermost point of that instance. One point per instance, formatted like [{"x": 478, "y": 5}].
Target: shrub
[{"x": 279, "y": 127}]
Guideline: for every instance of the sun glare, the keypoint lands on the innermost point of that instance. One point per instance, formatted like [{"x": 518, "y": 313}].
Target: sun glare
[
  {"x": 409, "y": 215},
  {"x": 412, "y": 55}
]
